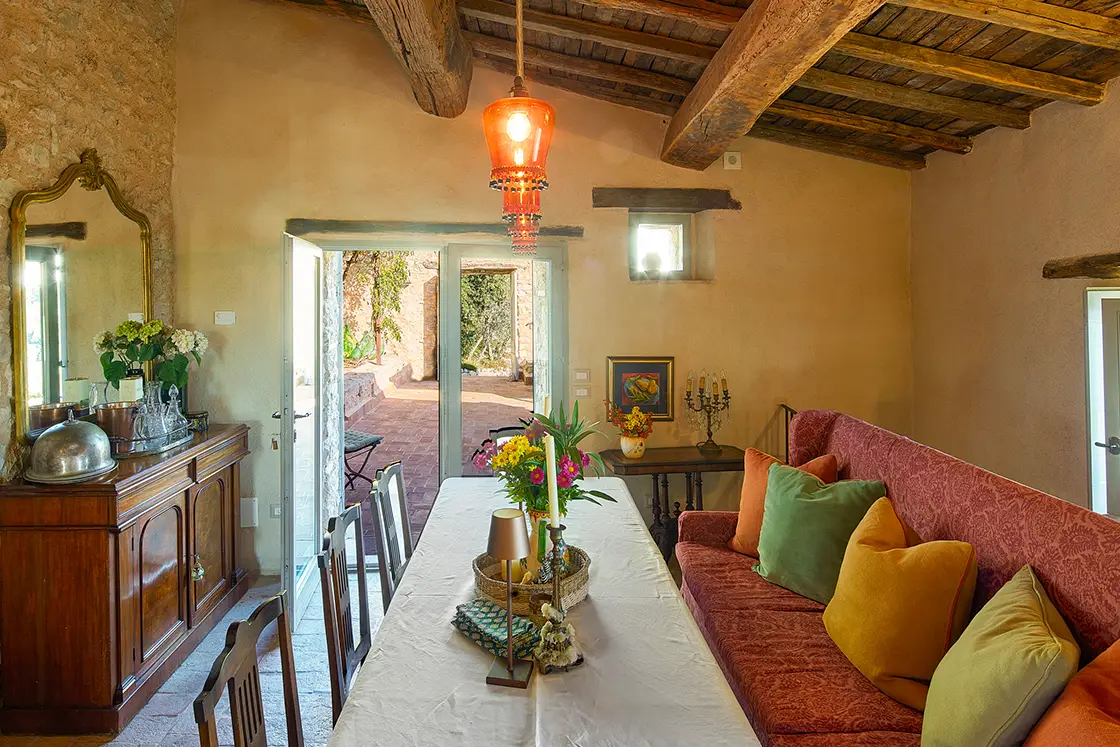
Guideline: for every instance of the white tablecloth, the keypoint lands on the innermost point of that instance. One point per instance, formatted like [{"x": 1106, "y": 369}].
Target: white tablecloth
[{"x": 648, "y": 679}]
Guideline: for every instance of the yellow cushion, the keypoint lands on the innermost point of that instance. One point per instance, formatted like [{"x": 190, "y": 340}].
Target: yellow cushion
[{"x": 900, "y": 603}]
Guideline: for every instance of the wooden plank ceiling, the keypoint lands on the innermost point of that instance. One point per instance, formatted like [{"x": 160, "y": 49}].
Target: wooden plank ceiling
[{"x": 901, "y": 81}]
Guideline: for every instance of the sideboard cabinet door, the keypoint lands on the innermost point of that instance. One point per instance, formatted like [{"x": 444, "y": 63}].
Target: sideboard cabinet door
[
  {"x": 160, "y": 569},
  {"x": 211, "y": 542}
]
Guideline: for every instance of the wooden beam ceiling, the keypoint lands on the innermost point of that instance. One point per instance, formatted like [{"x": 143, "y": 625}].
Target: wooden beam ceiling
[
  {"x": 700, "y": 12},
  {"x": 580, "y": 65},
  {"x": 1101, "y": 266},
  {"x": 870, "y": 125},
  {"x": 577, "y": 28},
  {"x": 912, "y": 98},
  {"x": 768, "y": 50},
  {"x": 836, "y": 146},
  {"x": 970, "y": 69},
  {"x": 425, "y": 38},
  {"x": 1031, "y": 15}
]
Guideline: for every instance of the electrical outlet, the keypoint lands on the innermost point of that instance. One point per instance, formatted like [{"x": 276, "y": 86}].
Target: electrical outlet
[
  {"x": 274, "y": 510},
  {"x": 248, "y": 513},
  {"x": 733, "y": 161}
]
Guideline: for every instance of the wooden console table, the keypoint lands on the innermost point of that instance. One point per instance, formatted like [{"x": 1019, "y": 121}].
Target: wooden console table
[
  {"x": 673, "y": 460},
  {"x": 107, "y": 585}
]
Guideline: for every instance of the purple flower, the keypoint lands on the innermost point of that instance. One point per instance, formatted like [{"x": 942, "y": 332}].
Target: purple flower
[
  {"x": 563, "y": 480},
  {"x": 534, "y": 431},
  {"x": 480, "y": 460},
  {"x": 568, "y": 467},
  {"x": 536, "y": 476},
  {"x": 584, "y": 458}
]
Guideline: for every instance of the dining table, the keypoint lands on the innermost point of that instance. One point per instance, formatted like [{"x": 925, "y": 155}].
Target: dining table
[{"x": 648, "y": 676}]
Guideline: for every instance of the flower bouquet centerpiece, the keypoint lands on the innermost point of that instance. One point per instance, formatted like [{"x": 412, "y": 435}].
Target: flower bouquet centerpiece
[
  {"x": 521, "y": 467},
  {"x": 125, "y": 350},
  {"x": 634, "y": 428}
]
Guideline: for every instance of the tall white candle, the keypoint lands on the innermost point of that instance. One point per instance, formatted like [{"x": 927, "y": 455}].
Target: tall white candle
[
  {"x": 550, "y": 466},
  {"x": 547, "y": 406}
]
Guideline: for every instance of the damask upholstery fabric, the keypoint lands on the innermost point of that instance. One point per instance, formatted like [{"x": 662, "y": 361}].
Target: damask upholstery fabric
[
  {"x": 861, "y": 739},
  {"x": 1087, "y": 713},
  {"x": 1072, "y": 550},
  {"x": 752, "y": 498},
  {"x": 725, "y": 581},
  {"x": 900, "y": 603}
]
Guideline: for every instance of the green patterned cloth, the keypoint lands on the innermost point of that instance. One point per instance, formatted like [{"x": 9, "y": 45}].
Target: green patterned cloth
[{"x": 484, "y": 622}]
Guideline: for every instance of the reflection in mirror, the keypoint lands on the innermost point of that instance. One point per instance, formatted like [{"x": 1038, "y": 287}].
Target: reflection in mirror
[{"x": 83, "y": 273}]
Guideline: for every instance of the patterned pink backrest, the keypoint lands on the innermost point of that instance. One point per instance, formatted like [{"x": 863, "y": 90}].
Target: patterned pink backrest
[{"x": 1075, "y": 552}]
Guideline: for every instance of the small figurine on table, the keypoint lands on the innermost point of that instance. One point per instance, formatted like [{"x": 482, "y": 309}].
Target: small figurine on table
[{"x": 557, "y": 650}]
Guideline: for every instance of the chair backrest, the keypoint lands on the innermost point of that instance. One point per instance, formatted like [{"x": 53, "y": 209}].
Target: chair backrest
[
  {"x": 344, "y": 652},
  {"x": 500, "y": 435},
  {"x": 237, "y": 668},
  {"x": 390, "y": 529}
]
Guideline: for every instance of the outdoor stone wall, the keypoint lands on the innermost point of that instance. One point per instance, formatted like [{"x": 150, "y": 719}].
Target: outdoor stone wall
[
  {"x": 419, "y": 317},
  {"x": 522, "y": 271},
  {"x": 331, "y": 387},
  {"x": 76, "y": 74}
]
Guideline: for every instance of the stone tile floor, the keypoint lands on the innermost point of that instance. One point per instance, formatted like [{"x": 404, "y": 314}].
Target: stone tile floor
[
  {"x": 167, "y": 720},
  {"x": 408, "y": 418}
]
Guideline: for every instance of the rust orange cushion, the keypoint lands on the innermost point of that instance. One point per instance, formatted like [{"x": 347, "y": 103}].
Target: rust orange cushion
[
  {"x": 900, "y": 603},
  {"x": 756, "y": 467},
  {"x": 1087, "y": 713}
]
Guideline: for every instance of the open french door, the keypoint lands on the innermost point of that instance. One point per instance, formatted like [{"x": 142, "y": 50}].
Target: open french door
[{"x": 301, "y": 421}]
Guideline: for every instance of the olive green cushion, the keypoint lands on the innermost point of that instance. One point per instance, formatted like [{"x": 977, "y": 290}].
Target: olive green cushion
[
  {"x": 806, "y": 527},
  {"x": 1005, "y": 670}
]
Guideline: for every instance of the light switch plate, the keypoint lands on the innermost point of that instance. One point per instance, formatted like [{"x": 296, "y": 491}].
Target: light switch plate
[
  {"x": 274, "y": 510},
  {"x": 733, "y": 161},
  {"x": 136, "y": 316},
  {"x": 581, "y": 375},
  {"x": 248, "y": 512},
  {"x": 225, "y": 318},
  {"x": 581, "y": 392}
]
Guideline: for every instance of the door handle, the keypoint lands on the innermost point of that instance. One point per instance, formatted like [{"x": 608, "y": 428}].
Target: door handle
[
  {"x": 298, "y": 416},
  {"x": 1113, "y": 445}
]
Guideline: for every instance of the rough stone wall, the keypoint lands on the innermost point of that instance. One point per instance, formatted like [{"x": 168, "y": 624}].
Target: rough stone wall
[
  {"x": 419, "y": 317},
  {"x": 331, "y": 387},
  {"x": 76, "y": 74}
]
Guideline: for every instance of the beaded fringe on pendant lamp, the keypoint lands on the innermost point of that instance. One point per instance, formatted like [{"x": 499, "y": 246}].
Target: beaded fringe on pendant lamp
[{"x": 518, "y": 133}]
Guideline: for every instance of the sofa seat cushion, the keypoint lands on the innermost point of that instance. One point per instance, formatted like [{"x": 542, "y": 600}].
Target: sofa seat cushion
[
  {"x": 721, "y": 579},
  {"x": 857, "y": 739},
  {"x": 792, "y": 679}
]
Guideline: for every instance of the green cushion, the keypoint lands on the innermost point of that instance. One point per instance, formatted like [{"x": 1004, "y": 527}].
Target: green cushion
[
  {"x": 806, "y": 526},
  {"x": 1005, "y": 670}
]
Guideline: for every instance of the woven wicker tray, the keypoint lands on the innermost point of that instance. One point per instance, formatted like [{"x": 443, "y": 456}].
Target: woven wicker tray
[{"x": 573, "y": 587}]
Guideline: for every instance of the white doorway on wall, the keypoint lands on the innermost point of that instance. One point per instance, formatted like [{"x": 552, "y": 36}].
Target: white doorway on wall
[{"x": 1102, "y": 347}]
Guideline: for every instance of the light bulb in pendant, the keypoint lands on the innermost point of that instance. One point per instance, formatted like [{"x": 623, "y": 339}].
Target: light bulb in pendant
[{"x": 518, "y": 127}]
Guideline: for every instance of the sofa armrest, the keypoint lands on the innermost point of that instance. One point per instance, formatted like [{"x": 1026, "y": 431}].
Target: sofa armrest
[{"x": 713, "y": 528}]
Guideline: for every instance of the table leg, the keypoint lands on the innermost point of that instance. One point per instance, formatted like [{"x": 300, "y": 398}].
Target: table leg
[
  {"x": 688, "y": 491},
  {"x": 658, "y": 526},
  {"x": 669, "y": 536},
  {"x": 699, "y": 491}
]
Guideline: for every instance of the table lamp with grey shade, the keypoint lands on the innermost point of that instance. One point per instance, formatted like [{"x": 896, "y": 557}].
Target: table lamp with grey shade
[{"x": 509, "y": 541}]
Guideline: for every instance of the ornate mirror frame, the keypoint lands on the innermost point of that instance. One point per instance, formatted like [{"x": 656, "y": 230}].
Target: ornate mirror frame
[{"x": 91, "y": 176}]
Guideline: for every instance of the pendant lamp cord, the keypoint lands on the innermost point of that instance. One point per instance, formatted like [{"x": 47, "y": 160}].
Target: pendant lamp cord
[{"x": 520, "y": 41}]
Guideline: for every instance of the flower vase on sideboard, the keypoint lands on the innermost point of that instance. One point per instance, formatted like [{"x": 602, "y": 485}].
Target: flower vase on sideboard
[{"x": 632, "y": 448}]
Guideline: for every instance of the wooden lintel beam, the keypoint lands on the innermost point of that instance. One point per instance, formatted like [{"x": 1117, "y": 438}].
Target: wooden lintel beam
[
  {"x": 970, "y": 69},
  {"x": 577, "y": 28},
  {"x": 812, "y": 141},
  {"x": 308, "y": 226},
  {"x": 1031, "y": 15},
  {"x": 870, "y": 125},
  {"x": 425, "y": 38},
  {"x": 709, "y": 15},
  {"x": 660, "y": 200},
  {"x": 771, "y": 46},
  {"x": 580, "y": 65},
  {"x": 613, "y": 95},
  {"x": 350, "y": 12},
  {"x": 69, "y": 230},
  {"x": 911, "y": 98},
  {"x": 1100, "y": 266}
]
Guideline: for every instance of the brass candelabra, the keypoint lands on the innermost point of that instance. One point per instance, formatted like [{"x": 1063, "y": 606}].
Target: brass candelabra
[{"x": 712, "y": 399}]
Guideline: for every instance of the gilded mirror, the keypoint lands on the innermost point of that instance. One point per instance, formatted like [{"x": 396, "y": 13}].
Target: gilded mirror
[{"x": 81, "y": 263}]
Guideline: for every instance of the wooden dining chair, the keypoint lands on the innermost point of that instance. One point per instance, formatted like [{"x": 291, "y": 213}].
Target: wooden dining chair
[
  {"x": 237, "y": 668},
  {"x": 344, "y": 653},
  {"x": 390, "y": 529}
]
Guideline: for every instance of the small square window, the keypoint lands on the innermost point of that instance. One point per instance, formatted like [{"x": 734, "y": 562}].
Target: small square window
[{"x": 660, "y": 246}]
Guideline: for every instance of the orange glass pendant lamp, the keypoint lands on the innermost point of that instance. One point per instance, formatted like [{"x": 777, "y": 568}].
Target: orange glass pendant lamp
[{"x": 518, "y": 131}]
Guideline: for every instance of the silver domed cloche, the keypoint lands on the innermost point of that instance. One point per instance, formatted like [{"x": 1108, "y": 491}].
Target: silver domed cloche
[{"x": 73, "y": 451}]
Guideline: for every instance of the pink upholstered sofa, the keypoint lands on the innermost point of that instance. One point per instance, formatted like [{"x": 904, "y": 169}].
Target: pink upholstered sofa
[{"x": 796, "y": 687}]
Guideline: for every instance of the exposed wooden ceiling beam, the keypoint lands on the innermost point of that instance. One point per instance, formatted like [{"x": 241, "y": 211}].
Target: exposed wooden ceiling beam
[
  {"x": 970, "y": 69},
  {"x": 911, "y": 98},
  {"x": 576, "y": 28},
  {"x": 664, "y": 200},
  {"x": 1087, "y": 266},
  {"x": 614, "y": 96},
  {"x": 870, "y": 125},
  {"x": 348, "y": 11},
  {"x": 580, "y": 65},
  {"x": 768, "y": 50},
  {"x": 700, "y": 12},
  {"x": 1031, "y": 15},
  {"x": 838, "y": 147}
]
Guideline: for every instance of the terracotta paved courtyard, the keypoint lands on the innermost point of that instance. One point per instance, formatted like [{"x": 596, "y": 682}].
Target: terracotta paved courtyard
[{"x": 408, "y": 417}]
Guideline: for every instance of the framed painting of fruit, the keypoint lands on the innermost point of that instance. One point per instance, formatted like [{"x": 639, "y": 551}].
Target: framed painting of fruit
[{"x": 646, "y": 383}]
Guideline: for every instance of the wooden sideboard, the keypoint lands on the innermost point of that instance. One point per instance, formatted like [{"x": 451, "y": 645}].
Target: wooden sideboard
[{"x": 106, "y": 586}]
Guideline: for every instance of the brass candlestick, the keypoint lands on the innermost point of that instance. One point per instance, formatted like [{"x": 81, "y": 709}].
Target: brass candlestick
[
  {"x": 712, "y": 400},
  {"x": 557, "y": 535}
]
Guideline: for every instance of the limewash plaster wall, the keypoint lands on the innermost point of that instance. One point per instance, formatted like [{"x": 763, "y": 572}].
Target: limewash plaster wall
[
  {"x": 76, "y": 74},
  {"x": 999, "y": 353},
  {"x": 285, "y": 113}
]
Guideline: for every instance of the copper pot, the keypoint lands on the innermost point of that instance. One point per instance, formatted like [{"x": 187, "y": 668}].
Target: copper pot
[
  {"x": 117, "y": 419},
  {"x": 44, "y": 416}
]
